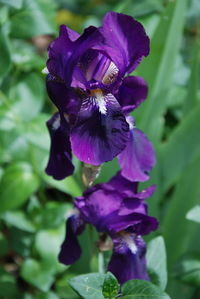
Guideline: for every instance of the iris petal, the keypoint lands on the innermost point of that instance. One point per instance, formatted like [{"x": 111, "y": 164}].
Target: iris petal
[
  {"x": 127, "y": 40},
  {"x": 128, "y": 258},
  {"x": 138, "y": 223},
  {"x": 121, "y": 43},
  {"x": 110, "y": 208},
  {"x": 101, "y": 131},
  {"x": 122, "y": 185},
  {"x": 60, "y": 51},
  {"x": 96, "y": 207},
  {"x": 70, "y": 248},
  {"x": 138, "y": 158},
  {"x": 86, "y": 41},
  {"x": 59, "y": 165},
  {"x": 64, "y": 98},
  {"x": 132, "y": 93}
]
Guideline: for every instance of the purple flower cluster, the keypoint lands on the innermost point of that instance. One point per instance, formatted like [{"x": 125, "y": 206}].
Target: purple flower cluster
[
  {"x": 88, "y": 81},
  {"x": 115, "y": 208}
]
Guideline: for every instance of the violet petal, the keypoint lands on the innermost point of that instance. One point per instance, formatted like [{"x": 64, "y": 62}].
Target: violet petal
[
  {"x": 132, "y": 93},
  {"x": 70, "y": 248},
  {"x": 127, "y": 40},
  {"x": 101, "y": 131},
  {"x": 64, "y": 98},
  {"x": 59, "y": 165},
  {"x": 128, "y": 259},
  {"x": 138, "y": 158}
]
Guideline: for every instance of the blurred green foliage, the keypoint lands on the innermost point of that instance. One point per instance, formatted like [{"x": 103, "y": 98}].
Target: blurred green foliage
[{"x": 33, "y": 206}]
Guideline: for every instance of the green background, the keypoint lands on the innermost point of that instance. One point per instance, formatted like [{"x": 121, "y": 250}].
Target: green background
[{"x": 33, "y": 207}]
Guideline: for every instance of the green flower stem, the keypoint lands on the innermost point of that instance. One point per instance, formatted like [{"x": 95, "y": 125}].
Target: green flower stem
[{"x": 101, "y": 262}]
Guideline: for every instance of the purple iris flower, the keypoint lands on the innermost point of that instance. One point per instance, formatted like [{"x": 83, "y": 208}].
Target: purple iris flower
[
  {"x": 119, "y": 210},
  {"x": 88, "y": 83}
]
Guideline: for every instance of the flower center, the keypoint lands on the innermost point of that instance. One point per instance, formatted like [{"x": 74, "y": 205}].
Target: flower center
[
  {"x": 111, "y": 74},
  {"x": 98, "y": 67},
  {"x": 98, "y": 97},
  {"x": 129, "y": 241}
]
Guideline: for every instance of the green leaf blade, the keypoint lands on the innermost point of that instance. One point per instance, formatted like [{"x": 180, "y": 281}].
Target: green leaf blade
[
  {"x": 141, "y": 289},
  {"x": 181, "y": 149},
  {"x": 158, "y": 67},
  {"x": 156, "y": 260},
  {"x": 179, "y": 237},
  {"x": 33, "y": 19},
  {"x": 194, "y": 214},
  {"x": 37, "y": 274},
  {"x": 89, "y": 286},
  {"x": 5, "y": 57},
  {"x": 17, "y": 184},
  {"x": 188, "y": 270}
]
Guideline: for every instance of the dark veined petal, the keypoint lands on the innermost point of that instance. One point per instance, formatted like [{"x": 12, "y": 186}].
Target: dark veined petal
[
  {"x": 138, "y": 158},
  {"x": 101, "y": 131},
  {"x": 127, "y": 40},
  {"x": 59, "y": 165},
  {"x": 70, "y": 248},
  {"x": 128, "y": 259},
  {"x": 132, "y": 93},
  {"x": 64, "y": 98}
]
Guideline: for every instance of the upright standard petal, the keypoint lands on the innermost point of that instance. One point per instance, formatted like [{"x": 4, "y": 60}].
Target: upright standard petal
[
  {"x": 90, "y": 37},
  {"x": 127, "y": 40},
  {"x": 101, "y": 131},
  {"x": 71, "y": 34},
  {"x": 132, "y": 93},
  {"x": 98, "y": 67},
  {"x": 59, "y": 165},
  {"x": 138, "y": 158},
  {"x": 119, "y": 45},
  {"x": 60, "y": 50},
  {"x": 128, "y": 258},
  {"x": 70, "y": 248}
]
